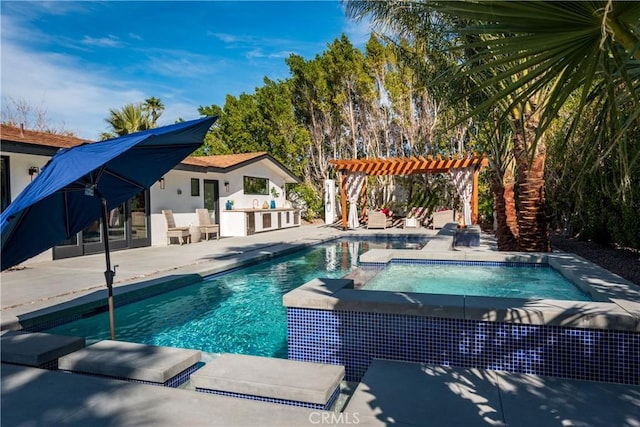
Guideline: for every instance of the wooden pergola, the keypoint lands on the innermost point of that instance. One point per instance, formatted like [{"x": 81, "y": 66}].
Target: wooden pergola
[{"x": 411, "y": 166}]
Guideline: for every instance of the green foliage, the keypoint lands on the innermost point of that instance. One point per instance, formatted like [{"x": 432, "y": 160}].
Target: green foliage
[
  {"x": 485, "y": 199},
  {"x": 598, "y": 202},
  {"x": 308, "y": 199},
  {"x": 133, "y": 118},
  {"x": 129, "y": 119},
  {"x": 213, "y": 141},
  {"x": 428, "y": 191},
  {"x": 263, "y": 121}
]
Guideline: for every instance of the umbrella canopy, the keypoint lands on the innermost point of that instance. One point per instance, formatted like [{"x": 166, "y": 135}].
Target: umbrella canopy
[
  {"x": 65, "y": 197},
  {"x": 80, "y": 184}
]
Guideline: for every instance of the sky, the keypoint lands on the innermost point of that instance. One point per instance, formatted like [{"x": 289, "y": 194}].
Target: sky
[{"x": 78, "y": 60}]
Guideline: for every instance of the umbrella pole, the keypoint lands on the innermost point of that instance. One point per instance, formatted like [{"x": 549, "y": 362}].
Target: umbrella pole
[{"x": 108, "y": 274}]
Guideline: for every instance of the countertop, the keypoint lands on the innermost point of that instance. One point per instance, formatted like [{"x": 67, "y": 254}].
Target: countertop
[{"x": 261, "y": 210}]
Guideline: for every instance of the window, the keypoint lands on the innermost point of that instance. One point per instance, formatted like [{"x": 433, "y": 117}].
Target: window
[
  {"x": 195, "y": 187},
  {"x": 253, "y": 185}
]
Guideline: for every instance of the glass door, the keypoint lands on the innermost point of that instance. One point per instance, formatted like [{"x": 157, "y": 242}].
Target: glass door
[
  {"x": 139, "y": 220},
  {"x": 212, "y": 199},
  {"x": 128, "y": 227},
  {"x": 93, "y": 238}
]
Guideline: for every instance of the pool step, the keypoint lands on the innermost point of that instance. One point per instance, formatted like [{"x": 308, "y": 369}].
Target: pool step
[
  {"x": 37, "y": 349},
  {"x": 288, "y": 382},
  {"x": 148, "y": 364}
]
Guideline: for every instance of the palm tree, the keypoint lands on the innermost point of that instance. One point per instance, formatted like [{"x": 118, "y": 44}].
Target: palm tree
[
  {"x": 154, "y": 107},
  {"x": 131, "y": 118},
  {"x": 535, "y": 55}
]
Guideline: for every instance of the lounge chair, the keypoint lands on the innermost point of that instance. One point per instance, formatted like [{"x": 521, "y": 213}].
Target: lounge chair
[
  {"x": 377, "y": 219},
  {"x": 205, "y": 225},
  {"x": 183, "y": 234}
]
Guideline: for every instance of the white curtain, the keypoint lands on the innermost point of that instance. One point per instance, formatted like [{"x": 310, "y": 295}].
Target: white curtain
[
  {"x": 330, "y": 258},
  {"x": 354, "y": 248},
  {"x": 462, "y": 180},
  {"x": 354, "y": 184}
]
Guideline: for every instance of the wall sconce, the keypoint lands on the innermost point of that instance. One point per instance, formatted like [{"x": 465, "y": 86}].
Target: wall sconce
[
  {"x": 226, "y": 186},
  {"x": 161, "y": 182},
  {"x": 33, "y": 170}
]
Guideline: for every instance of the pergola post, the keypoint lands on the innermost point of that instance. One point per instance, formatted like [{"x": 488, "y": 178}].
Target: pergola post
[
  {"x": 343, "y": 199},
  {"x": 363, "y": 201},
  {"x": 474, "y": 197}
]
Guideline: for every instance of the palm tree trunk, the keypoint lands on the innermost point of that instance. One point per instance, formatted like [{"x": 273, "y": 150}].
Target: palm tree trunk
[
  {"x": 533, "y": 226},
  {"x": 504, "y": 205}
]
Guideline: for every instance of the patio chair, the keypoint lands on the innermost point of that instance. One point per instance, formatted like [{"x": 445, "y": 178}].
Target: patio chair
[
  {"x": 377, "y": 219},
  {"x": 205, "y": 225},
  {"x": 183, "y": 234}
]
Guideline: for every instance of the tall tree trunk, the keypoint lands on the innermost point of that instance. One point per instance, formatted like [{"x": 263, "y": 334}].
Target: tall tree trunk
[
  {"x": 504, "y": 205},
  {"x": 511, "y": 213},
  {"x": 533, "y": 226}
]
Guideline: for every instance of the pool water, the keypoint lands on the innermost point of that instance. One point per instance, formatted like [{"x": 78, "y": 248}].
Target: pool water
[
  {"x": 451, "y": 279},
  {"x": 238, "y": 312}
]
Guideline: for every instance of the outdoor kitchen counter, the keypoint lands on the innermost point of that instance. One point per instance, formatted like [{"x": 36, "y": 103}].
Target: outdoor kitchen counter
[
  {"x": 262, "y": 210},
  {"x": 247, "y": 221}
]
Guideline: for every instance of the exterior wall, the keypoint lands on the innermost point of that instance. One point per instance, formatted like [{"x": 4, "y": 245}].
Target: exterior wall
[
  {"x": 184, "y": 205},
  {"x": 19, "y": 178},
  {"x": 177, "y": 195},
  {"x": 236, "y": 187},
  {"x": 19, "y": 165},
  {"x": 233, "y": 223}
]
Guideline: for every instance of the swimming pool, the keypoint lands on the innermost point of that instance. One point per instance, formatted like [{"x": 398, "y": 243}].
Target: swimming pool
[
  {"x": 236, "y": 312},
  {"x": 494, "y": 280}
]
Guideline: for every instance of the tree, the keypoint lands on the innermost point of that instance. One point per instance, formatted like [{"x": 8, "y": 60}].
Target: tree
[
  {"x": 534, "y": 56},
  {"x": 213, "y": 141},
  {"x": 154, "y": 107},
  {"x": 129, "y": 119},
  {"x": 262, "y": 121},
  {"x": 20, "y": 112}
]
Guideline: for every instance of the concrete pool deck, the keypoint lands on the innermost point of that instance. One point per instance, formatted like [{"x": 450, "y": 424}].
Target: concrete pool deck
[{"x": 37, "y": 397}]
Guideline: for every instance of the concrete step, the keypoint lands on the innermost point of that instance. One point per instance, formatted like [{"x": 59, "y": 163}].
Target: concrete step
[
  {"x": 37, "y": 349},
  {"x": 288, "y": 382},
  {"x": 158, "y": 365}
]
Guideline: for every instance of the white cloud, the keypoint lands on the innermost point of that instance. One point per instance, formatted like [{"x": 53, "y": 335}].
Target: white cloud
[
  {"x": 179, "y": 63},
  {"x": 74, "y": 97},
  {"x": 227, "y": 38},
  {"x": 109, "y": 41},
  {"x": 258, "y": 53}
]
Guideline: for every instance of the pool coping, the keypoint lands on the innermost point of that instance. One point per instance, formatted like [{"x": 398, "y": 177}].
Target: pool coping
[{"x": 616, "y": 304}]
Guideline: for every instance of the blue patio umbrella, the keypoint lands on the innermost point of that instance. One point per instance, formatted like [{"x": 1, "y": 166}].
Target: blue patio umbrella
[{"x": 81, "y": 184}]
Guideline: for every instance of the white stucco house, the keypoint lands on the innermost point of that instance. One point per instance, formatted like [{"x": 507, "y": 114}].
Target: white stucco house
[{"x": 244, "y": 193}]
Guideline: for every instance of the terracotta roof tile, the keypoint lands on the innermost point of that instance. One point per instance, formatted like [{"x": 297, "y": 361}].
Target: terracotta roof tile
[
  {"x": 222, "y": 161},
  {"x": 12, "y": 133}
]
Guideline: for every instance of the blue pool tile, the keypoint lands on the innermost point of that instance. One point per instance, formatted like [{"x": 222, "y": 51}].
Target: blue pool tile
[{"x": 354, "y": 339}]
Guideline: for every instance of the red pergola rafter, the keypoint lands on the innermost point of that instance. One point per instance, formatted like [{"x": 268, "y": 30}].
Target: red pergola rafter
[{"x": 411, "y": 166}]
